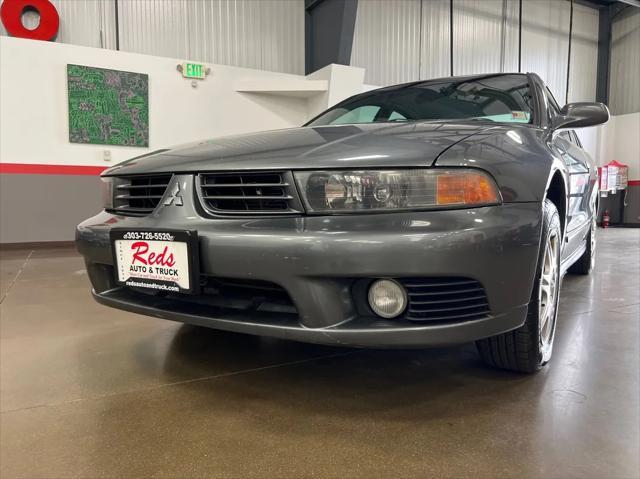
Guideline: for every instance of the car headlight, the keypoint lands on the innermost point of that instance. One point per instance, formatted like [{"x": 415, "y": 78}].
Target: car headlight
[
  {"x": 406, "y": 189},
  {"x": 107, "y": 192}
]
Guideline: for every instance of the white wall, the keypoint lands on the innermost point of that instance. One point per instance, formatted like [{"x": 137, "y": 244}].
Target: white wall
[
  {"x": 620, "y": 140},
  {"x": 33, "y": 99},
  {"x": 34, "y": 123}
]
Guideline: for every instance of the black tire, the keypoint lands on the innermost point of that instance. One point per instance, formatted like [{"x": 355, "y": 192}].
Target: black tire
[
  {"x": 529, "y": 347},
  {"x": 587, "y": 261}
]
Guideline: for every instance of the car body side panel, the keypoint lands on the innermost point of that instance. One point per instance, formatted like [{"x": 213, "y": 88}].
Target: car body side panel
[
  {"x": 523, "y": 162},
  {"x": 581, "y": 200},
  {"x": 516, "y": 157}
]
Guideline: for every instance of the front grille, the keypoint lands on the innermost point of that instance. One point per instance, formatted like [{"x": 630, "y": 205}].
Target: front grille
[
  {"x": 445, "y": 299},
  {"x": 248, "y": 193},
  {"x": 139, "y": 195}
]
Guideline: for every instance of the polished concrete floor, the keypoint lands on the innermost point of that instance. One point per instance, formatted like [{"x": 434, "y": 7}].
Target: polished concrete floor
[{"x": 88, "y": 391}]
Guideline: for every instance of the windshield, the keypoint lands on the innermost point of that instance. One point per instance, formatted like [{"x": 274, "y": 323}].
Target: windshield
[{"x": 500, "y": 98}]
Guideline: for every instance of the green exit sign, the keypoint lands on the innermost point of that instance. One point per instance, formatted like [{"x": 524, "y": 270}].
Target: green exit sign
[{"x": 193, "y": 70}]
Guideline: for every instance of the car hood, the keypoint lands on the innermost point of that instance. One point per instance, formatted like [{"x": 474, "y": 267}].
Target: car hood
[{"x": 340, "y": 146}]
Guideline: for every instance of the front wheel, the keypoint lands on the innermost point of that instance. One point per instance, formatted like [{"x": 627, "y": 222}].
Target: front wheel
[{"x": 529, "y": 347}]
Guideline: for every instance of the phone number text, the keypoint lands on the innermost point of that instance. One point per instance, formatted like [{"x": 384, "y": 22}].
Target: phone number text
[{"x": 148, "y": 235}]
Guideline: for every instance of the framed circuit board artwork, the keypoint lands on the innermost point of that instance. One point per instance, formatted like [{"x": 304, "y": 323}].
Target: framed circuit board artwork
[{"x": 108, "y": 107}]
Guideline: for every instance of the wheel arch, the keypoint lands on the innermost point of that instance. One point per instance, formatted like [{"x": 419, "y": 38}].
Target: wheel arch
[{"x": 557, "y": 193}]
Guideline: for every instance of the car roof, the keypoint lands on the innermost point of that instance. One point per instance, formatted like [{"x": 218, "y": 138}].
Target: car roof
[{"x": 460, "y": 78}]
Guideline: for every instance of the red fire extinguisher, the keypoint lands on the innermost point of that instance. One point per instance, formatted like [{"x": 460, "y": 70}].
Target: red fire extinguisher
[{"x": 605, "y": 219}]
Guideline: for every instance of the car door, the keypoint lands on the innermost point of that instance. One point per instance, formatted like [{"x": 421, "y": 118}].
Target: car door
[{"x": 581, "y": 174}]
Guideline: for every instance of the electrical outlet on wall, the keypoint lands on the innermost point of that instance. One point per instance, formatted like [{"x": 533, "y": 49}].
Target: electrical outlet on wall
[{"x": 106, "y": 155}]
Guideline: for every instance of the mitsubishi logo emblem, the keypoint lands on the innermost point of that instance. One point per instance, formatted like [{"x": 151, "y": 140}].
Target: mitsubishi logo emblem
[{"x": 175, "y": 198}]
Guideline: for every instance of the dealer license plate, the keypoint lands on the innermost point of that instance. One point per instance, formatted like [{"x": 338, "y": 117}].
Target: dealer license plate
[{"x": 159, "y": 260}]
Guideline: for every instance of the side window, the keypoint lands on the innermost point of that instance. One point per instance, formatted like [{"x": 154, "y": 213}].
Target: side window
[
  {"x": 575, "y": 139},
  {"x": 553, "y": 104},
  {"x": 565, "y": 135},
  {"x": 395, "y": 116},
  {"x": 568, "y": 135},
  {"x": 363, "y": 114}
]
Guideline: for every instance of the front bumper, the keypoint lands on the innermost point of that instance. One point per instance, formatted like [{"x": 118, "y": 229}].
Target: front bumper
[{"x": 317, "y": 261}]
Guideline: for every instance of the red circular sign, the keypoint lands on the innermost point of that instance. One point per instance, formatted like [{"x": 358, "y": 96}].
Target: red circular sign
[{"x": 11, "y": 14}]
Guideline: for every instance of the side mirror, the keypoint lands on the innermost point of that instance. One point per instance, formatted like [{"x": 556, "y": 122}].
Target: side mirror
[{"x": 580, "y": 115}]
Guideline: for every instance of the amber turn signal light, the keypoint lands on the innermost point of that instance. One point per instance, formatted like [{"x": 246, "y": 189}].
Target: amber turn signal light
[{"x": 466, "y": 188}]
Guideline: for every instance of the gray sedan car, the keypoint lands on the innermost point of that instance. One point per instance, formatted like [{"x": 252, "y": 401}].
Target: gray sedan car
[{"x": 429, "y": 213}]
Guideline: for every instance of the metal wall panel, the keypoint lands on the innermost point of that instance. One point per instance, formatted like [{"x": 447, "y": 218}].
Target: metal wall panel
[
  {"x": 624, "y": 86},
  {"x": 88, "y": 23},
  {"x": 509, "y": 53},
  {"x": 386, "y": 41},
  {"x": 219, "y": 31},
  {"x": 388, "y": 37},
  {"x": 435, "y": 42},
  {"x": 584, "y": 54},
  {"x": 154, "y": 27},
  {"x": 261, "y": 34},
  {"x": 281, "y": 35},
  {"x": 485, "y": 36},
  {"x": 545, "y": 42},
  {"x": 266, "y": 34}
]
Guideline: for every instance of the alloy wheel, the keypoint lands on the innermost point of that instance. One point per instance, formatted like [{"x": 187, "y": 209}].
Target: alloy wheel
[{"x": 547, "y": 293}]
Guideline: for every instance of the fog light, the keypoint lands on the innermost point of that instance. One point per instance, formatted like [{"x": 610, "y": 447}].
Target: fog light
[{"x": 387, "y": 298}]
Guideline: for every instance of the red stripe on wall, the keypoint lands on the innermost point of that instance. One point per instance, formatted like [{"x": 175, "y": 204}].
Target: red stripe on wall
[
  {"x": 36, "y": 169},
  {"x": 40, "y": 169}
]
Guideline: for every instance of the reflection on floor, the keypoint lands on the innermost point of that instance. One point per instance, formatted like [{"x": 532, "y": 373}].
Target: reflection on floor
[{"x": 89, "y": 391}]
